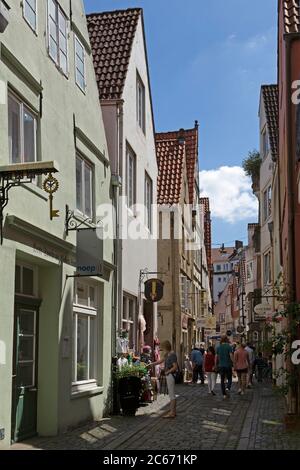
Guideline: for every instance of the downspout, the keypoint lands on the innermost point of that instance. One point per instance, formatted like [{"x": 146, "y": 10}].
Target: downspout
[
  {"x": 293, "y": 408},
  {"x": 173, "y": 282},
  {"x": 119, "y": 215},
  {"x": 117, "y": 283}
]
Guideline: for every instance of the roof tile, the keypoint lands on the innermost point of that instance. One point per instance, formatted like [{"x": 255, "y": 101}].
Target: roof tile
[
  {"x": 111, "y": 36},
  {"x": 270, "y": 97},
  {"x": 190, "y": 137},
  {"x": 291, "y": 10}
]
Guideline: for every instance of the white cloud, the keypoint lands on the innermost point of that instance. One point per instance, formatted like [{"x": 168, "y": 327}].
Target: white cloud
[{"x": 230, "y": 193}]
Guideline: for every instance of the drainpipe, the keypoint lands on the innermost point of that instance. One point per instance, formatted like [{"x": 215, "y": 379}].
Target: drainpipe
[
  {"x": 293, "y": 408},
  {"x": 173, "y": 256},
  {"x": 117, "y": 242}
]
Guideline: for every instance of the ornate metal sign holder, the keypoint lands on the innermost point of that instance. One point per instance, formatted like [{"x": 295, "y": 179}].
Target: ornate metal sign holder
[{"x": 18, "y": 174}]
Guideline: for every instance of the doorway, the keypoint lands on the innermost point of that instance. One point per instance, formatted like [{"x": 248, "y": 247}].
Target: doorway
[{"x": 25, "y": 368}]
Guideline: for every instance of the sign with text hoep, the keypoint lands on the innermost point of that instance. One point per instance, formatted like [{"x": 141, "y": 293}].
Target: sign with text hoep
[
  {"x": 89, "y": 259},
  {"x": 154, "y": 290}
]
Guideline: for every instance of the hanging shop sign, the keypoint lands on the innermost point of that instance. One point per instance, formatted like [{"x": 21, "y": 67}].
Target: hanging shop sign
[
  {"x": 261, "y": 311},
  {"x": 89, "y": 260},
  {"x": 211, "y": 323},
  {"x": 154, "y": 290},
  {"x": 200, "y": 323}
]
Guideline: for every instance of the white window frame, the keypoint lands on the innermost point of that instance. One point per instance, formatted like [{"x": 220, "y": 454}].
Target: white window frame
[
  {"x": 35, "y": 11},
  {"x": 88, "y": 312},
  {"x": 265, "y": 142},
  {"x": 23, "y": 105},
  {"x": 33, "y": 362},
  {"x": 267, "y": 275},
  {"x": 35, "y": 280},
  {"x": 130, "y": 324},
  {"x": 140, "y": 104},
  {"x": 76, "y": 57},
  {"x": 131, "y": 191},
  {"x": 84, "y": 163},
  {"x": 58, "y": 11},
  {"x": 267, "y": 203},
  {"x": 249, "y": 271},
  {"x": 148, "y": 201}
]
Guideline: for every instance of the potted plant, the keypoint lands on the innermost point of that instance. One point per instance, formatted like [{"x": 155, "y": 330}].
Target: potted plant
[{"x": 129, "y": 380}]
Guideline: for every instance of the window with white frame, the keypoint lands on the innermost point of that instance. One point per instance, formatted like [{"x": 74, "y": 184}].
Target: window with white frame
[
  {"x": 267, "y": 203},
  {"x": 80, "y": 73},
  {"x": 131, "y": 177},
  {"x": 58, "y": 35},
  {"x": 183, "y": 296},
  {"x": 148, "y": 201},
  {"x": 25, "y": 280},
  {"x": 265, "y": 143},
  {"x": 129, "y": 318},
  {"x": 249, "y": 271},
  {"x": 267, "y": 268},
  {"x": 85, "y": 320},
  {"x": 30, "y": 13},
  {"x": 140, "y": 103},
  {"x": 22, "y": 131},
  {"x": 84, "y": 186}
]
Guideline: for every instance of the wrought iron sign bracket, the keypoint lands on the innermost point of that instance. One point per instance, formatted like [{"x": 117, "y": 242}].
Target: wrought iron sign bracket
[
  {"x": 73, "y": 224},
  {"x": 18, "y": 174}
]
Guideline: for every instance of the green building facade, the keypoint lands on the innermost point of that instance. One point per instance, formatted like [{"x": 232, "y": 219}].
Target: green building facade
[{"x": 55, "y": 330}]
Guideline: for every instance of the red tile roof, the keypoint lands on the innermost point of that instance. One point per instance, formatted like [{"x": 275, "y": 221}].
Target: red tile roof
[
  {"x": 291, "y": 10},
  {"x": 170, "y": 159},
  {"x": 190, "y": 136},
  {"x": 111, "y": 36},
  {"x": 270, "y": 98},
  {"x": 218, "y": 256}
]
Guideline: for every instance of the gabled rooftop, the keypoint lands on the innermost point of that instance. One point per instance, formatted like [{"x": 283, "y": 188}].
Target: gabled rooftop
[
  {"x": 112, "y": 35},
  {"x": 270, "y": 99},
  {"x": 190, "y": 138}
]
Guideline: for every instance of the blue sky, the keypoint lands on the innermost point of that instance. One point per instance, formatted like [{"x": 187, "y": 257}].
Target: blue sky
[{"x": 207, "y": 62}]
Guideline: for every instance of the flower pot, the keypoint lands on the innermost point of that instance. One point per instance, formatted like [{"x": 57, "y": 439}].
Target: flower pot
[{"x": 129, "y": 392}]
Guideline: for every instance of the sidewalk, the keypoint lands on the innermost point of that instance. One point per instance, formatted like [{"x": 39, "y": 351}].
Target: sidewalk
[{"x": 254, "y": 421}]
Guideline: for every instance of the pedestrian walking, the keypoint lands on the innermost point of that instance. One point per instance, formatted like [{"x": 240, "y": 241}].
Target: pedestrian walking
[
  {"x": 209, "y": 368},
  {"x": 223, "y": 363},
  {"x": 251, "y": 354},
  {"x": 260, "y": 364},
  {"x": 197, "y": 364},
  {"x": 171, "y": 365},
  {"x": 241, "y": 363}
]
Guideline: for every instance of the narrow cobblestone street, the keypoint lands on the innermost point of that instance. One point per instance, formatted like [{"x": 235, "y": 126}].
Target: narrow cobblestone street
[{"x": 204, "y": 422}]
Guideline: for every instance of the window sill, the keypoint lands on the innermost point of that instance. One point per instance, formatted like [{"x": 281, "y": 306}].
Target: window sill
[{"x": 88, "y": 389}]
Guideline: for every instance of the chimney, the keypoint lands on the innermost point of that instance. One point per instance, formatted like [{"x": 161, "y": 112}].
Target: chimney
[{"x": 238, "y": 245}]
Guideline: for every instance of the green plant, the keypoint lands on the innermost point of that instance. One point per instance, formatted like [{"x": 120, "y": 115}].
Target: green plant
[
  {"x": 252, "y": 164},
  {"x": 131, "y": 371}
]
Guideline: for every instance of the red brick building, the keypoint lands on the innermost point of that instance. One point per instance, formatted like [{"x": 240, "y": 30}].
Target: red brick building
[{"x": 289, "y": 155}]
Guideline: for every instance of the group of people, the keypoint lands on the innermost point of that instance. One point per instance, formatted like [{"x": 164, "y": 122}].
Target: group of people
[{"x": 227, "y": 359}]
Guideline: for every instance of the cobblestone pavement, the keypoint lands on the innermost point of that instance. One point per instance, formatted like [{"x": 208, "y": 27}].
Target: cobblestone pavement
[{"x": 253, "y": 421}]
